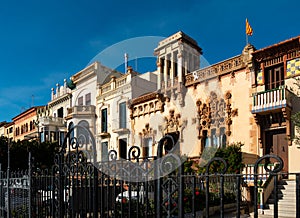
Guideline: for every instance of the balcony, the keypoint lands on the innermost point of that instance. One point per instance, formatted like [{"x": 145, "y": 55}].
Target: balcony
[
  {"x": 83, "y": 110},
  {"x": 270, "y": 100},
  {"x": 52, "y": 121}
]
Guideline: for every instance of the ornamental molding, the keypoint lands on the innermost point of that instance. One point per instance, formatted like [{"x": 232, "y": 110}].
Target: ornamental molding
[
  {"x": 60, "y": 100},
  {"x": 215, "y": 113},
  {"x": 147, "y": 104},
  {"x": 203, "y": 118},
  {"x": 216, "y": 70},
  {"x": 173, "y": 122}
]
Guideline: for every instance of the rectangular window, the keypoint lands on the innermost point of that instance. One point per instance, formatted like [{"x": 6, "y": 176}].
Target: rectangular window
[
  {"x": 88, "y": 99},
  {"x": 123, "y": 148},
  {"x": 42, "y": 137},
  {"x": 214, "y": 139},
  {"x": 60, "y": 112},
  {"x": 80, "y": 101},
  {"x": 122, "y": 115},
  {"x": 104, "y": 120},
  {"x": 274, "y": 77},
  {"x": 147, "y": 147},
  {"x": 104, "y": 151},
  {"x": 222, "y": 137}
]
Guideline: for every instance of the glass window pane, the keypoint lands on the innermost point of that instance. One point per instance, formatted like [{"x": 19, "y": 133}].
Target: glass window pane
[
  {"x": 88, "y": 99},
  {"x": 104, "y": 120},
  {"x": 80, "y": 101},
  {"x": 122, "y": 114}
]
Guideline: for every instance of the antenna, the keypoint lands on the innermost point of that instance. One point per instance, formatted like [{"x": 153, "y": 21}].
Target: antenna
[{"x": 126, "y": 61}]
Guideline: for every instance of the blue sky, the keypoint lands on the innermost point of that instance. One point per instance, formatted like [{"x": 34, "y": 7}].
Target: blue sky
[{"x": 43, "y": 42}]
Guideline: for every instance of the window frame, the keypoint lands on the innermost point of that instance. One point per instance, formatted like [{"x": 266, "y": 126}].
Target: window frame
[{"x": 122, "y": 115}]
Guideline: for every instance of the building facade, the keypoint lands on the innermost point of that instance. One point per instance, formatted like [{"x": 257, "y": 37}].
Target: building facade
[
  {"x": 2, "y": 128},
  {"x": 276, "y": 98},
  {"x": 113, "y": 100},
  {"x": 25, "y": 124},
  {"x": 249, "y": 98},
  {"x": 200, "y": 107},
  {"x": 51, "y": 118}
]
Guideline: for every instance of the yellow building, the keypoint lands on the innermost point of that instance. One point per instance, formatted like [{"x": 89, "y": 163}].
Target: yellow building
[
  {"x": 201, "y": 107},
  {"x": 9, "y": 131},
  {"x": 276, "y": 98},
  {"x": 246, "y": 98},
  {"x": 24, "y": 125}
]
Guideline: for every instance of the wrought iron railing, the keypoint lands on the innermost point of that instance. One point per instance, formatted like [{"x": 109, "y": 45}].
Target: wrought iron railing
[{"x": 79, "y": 186}]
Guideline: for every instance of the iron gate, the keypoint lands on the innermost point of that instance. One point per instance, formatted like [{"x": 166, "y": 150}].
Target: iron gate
[{"x": 79, "y": 186}]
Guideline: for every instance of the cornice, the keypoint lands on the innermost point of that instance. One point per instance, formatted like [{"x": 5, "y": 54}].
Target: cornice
[
  {"x": 277, "y": 50},
  {"x": 227, "y": 66},
  {"x": 60, "y": 100}
]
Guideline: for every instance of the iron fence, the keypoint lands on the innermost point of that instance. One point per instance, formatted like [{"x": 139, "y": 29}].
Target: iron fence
[{"x": 79, "y": 186}]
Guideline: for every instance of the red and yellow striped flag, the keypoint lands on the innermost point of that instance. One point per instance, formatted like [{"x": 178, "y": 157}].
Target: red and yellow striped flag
[{"x": 249, "y": 30}]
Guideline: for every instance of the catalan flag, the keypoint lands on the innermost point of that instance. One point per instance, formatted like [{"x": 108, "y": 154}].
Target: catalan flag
[{"x": 249, "y": 30}]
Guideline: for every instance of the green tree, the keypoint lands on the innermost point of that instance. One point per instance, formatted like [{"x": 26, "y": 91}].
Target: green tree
[
  {"x": 232, "y": 154},
  {"x": 296, "y": 116},
  {"x": 42, "y": 153},
  {"x": 3, "y": 152}
]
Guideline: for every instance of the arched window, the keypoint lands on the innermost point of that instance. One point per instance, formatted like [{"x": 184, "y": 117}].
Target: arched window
[
  {"x": 26, "y": 128},
  {"x": 30, "y": 126}
]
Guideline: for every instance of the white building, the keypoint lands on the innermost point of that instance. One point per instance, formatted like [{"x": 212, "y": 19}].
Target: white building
[
  {"x": 113, "y": 101},
  {"x": 82, "y": 111},
  {"x": 51, "y": 122}
]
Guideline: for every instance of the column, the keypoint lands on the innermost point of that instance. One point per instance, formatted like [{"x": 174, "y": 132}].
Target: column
[
  {"x": 165, "y": 71},
  {"x": 179, "y": 66},
  {"x": 159, "y": 75}
]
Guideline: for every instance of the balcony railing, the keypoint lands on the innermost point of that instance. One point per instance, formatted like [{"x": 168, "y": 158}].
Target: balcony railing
[
  {"x": 271, "y": 99},
  {"x": 263, "y": 175},
  {"x": 52, "y": 121},
  {"x": 82, "y": 110}
]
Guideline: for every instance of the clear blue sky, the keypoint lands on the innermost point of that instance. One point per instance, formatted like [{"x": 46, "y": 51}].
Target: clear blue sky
[{"x": 43, "y": 42}]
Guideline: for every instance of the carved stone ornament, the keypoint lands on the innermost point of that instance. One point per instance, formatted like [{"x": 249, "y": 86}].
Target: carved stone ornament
[
  {"x": 203, "y": 117},
  {"x": 172, "y": 122}
]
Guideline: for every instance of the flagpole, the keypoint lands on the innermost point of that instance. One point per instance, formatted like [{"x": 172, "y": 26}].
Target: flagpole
[{"x": 246, "y": 39}]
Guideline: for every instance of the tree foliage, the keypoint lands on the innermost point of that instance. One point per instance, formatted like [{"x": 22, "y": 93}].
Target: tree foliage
[
  {"x": 42, "y": 154},
  {"x": 232, "y": 154},
  {"x": 296, "y": 116}
]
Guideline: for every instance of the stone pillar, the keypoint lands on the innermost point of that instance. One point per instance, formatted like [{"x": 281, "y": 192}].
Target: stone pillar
[
  {"x": 65, "y": 86},
  {"x": 159, "y": 74},
  {"x": 165, "y": 71},
  {"x": 179, "y": 67},
  {"x": 52, "y": 94},
  {"x": 57, "y": 90}
]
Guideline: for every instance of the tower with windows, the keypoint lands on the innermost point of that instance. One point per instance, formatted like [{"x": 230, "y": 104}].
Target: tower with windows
[{"x": 177, "y": 56}]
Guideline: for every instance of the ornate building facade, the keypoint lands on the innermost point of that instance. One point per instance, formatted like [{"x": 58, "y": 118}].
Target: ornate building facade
[
  {"x": 51, "y": 118},
  {"x": 113, "y": 100},
  {"x": 200, "y": 107},
  {"x": 276, "y": 98},
  {"x": 248, "y": 98}
]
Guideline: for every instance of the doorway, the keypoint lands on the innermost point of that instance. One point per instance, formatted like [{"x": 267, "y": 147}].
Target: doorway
[{"x": 276, "y": 143}]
